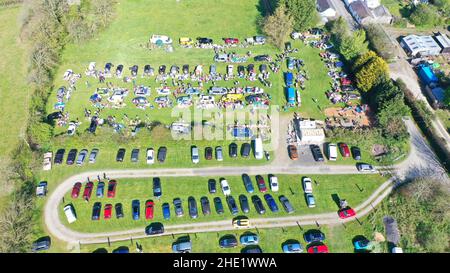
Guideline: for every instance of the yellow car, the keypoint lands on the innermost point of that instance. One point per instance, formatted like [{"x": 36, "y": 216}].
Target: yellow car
[
  {"x": 185, "y": 41},
  {"x": 241, "y": 223}
]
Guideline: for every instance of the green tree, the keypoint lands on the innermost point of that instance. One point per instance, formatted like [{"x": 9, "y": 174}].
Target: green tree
[
  {"x": 278, "y": 27},
  {"x": 380, "y": 41},
  {"x": 425, "y": 15},
  {"x": 447, "y": 97},
  {"x": 351, "y": 46},
  {"x": 303, "y": 12},
  {"x": 370, "y": 70}
]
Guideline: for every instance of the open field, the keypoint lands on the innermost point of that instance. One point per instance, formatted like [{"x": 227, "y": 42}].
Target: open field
[{"x": 324, "y": 188}]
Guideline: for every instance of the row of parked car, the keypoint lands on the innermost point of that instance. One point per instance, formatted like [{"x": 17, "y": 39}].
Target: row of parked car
[
  {"x": 89, "y": 187},
  {"x": 248, "y": 184},
  {"x": 72, "y": 156}
]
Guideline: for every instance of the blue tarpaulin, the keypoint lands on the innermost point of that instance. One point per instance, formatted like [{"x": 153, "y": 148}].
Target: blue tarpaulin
[
  {"x": 291, "y": 95},
  {"x": 427, "y": 75}
]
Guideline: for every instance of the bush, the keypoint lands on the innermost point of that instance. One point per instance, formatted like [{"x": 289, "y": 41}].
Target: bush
[
  {"x": 380, "y": 42},
  {"x": 425, "y": 15},
  {"x": 40, "y": 133}
]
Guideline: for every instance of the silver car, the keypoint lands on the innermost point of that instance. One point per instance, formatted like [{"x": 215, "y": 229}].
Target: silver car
[
  {"x": 219, "y": 153},
  {"x": 93, "y": 155},
  {"x": 82, "y": 156}
]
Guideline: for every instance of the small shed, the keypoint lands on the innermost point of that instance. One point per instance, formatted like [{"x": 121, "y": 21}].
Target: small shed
[{"x": 312, "y": 135}]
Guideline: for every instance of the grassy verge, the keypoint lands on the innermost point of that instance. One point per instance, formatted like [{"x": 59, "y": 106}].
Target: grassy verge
[{"x": 347, "y": 187}]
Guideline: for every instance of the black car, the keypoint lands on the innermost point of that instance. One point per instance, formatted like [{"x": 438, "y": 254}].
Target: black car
[
  {"x": 93, "y": 125},
  {"x": 120, "y": 155},
  {"x": 208, "y": 153},
  {"x": 286, "y": 204},
  {"x": 262, "y": 58},
  {"x": 162, "y": 152},
  {"x": 157, "y": 191},
  {"x": 204, "y": 41},
  {"x": 119, "y": 210},
  {"x": 228, "y": 241},
  {"x": 134, "y": 70},
  {"x": 193, "y": 212},
  {"x": 232, "y": 205},
  {"x": 252, "y": 249},
  {"x": 41, "y": 244},
  {"x": 71, "y": 156},
  {"x": 55, "y": 115},
  {"x": 218, "y": 205},
  {"x": 271, "y": 202},
  {"x": 59, "y": 156},
  {"x": 251, "y": 68},
  {"x": 96, "y": 211},
  {"x": 154, "y": 228},
  {"x": 243, "y": 200},
  {"x": 233, "y": 150},
  {"x": 314, "y": 236},
  {"x": 178, "y": 207},
  {"x": 317, "y": 153},
  {"x": 186, "y": 69},
  {"x": 258, "y": 204},
  {"x": 245, "y": 149},
  {"x": 212, "y": 186},
  {"x": 135, "y": 155},
  {"x": 206, "y": 209},
  {"x": 356, "y": 152}
]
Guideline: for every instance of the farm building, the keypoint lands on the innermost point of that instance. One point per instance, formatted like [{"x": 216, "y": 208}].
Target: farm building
[
  {"x": 382, "y": 15},
  {"x": 312, "y": 135},
  {"x": 420, "y": 45},
  {"x": 427, "y": 75},
  {"x": 443, "y": 40}
]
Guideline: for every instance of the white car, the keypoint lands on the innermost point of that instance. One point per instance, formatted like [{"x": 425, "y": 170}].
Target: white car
[
  {"x": 71, "y": 129},
  {"x": 47, "y": 161},
  {"x": 274, "y": 183},
  {"x": 150, "y": 156},
  {"x": 225, "y": 187},
  {"x": 307, "y": 185},
  {"x": 195, "y": 155},
  {"x": 163, "y": 38},
  {"x": 68, "y": 211}
]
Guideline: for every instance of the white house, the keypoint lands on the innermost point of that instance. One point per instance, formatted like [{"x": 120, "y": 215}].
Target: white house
[{"x": 360, "y": 12}]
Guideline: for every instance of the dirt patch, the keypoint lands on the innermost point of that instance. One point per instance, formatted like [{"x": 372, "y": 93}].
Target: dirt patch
[{"x": 351, "y": 116}]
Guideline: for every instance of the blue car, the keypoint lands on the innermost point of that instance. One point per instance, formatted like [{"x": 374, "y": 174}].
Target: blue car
[
  {"x": 249, "y": 239},
  {"x": 166, "y": 211},
  {"x": 271, "y": 202},
  {"x": 135, "y": 207},
  {"x": 363, "y": 244},
  {"x": 289, "y": 78},
  {"x": 247, "y": 183},
  {"x": 100, "y": 189},
  {"x": 292, "y": 248}
]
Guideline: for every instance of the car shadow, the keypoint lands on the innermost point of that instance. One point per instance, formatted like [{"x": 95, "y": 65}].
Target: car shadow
[{"x": 336, "y": 199}]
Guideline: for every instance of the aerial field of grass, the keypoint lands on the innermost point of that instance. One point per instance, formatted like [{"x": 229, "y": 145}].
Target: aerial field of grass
[{"x": 354, "y": 188}]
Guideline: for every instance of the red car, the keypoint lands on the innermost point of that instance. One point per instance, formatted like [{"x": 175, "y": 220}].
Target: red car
[
  {"x": 318, "y": 249},
  {"x": 346, "y": 213},
  {"x": 345, "y": 151},
  {"x": 88, "y": 191},
  {"x": 76, "y": 190},
  {"x": 149, "y": 209},
  {"x": 112, "y": 184},
  {"x": 231, "y": 41},
  {"x": 108, "y": 211},
  {"x": 261, "y": 183}
]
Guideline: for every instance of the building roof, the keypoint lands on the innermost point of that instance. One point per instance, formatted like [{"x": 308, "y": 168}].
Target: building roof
[
  {"x": 420, "y": 43},
  {"x": 360, "y": 9},
  {"x": 381, "y": 11},
  {"x": 323, "y": 5},
  {"x": 443, "y": 40}
]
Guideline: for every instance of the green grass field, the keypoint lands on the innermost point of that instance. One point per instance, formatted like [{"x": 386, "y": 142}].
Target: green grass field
[
  {"x": 444, "y": 116},
  {"x": 339, "y": 239},
  {"x": 14, "y": 93},
  {"x": 347, "y": 187}
]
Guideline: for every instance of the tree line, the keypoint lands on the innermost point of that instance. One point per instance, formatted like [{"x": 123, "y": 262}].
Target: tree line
[{"x": 46, "y": 25}]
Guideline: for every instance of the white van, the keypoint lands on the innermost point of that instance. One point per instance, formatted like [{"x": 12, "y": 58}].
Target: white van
[
  {"x": 68, "y": 210},
  {"x": 332, "y": 152},
  {"x": 258, "y": 148}
]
